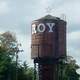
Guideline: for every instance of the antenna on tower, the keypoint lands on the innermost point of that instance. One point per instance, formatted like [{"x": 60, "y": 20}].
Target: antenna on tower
[
  {"x": 63, "y": 17},
  {"x": 49, "y": 10}
]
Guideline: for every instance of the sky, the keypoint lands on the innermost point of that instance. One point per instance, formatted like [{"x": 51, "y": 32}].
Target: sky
[{"x": 16, "y": 16}]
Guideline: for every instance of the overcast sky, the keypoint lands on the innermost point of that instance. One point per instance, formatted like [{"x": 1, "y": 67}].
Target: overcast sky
[{"x": 17, "y": 15}]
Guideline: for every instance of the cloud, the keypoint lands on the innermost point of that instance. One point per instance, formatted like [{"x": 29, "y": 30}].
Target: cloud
[
  {"x": 73, "y": 45},
  {"x": 4, "y": 9},
  {"x": 73, "y": 39},
  {"x": 20, "y": 14},
  {"x": 73, "y": 27}
]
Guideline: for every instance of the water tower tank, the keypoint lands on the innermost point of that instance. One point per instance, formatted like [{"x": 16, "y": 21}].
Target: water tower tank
[{"x": 48, "y": 37}]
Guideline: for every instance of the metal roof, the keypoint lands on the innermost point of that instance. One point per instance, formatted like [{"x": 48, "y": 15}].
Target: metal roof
[{"x": 49, "y": 17}]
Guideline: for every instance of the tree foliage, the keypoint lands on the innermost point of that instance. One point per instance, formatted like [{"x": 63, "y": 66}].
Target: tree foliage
[
  {"x": 67, "y": 69},
  {"x": 9, "y": 70}
]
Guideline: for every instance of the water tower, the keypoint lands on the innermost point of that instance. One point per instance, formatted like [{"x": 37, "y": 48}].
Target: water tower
[{"x": 48, "y": 45}]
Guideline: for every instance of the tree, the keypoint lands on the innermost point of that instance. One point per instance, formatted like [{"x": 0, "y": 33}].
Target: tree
[
  {"x": 4, "y": 63},
  {"x": 8, "y": 66},
  {"x": 67, "y": 69},
  {"x": 26, "y": 72}
]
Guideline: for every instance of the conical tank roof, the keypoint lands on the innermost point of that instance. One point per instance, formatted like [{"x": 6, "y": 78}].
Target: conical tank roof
[{"x": 48, "y": 17}]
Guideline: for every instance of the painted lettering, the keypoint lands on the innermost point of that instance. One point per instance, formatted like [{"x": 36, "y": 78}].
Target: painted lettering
[
  {"x": 42, "y": 27},
  {"x": 50, "y": 25}
]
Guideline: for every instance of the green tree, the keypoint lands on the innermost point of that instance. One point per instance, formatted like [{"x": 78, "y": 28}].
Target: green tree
[
  {"x": 26, "y": 72},
  {"x": 67, "y": 69},
  {"x": 8, "y": 66},
  {"x": 4, "y": 63}
]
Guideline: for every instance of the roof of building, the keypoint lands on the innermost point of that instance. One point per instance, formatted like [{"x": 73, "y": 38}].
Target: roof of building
[{"x": 49, "y": 17}]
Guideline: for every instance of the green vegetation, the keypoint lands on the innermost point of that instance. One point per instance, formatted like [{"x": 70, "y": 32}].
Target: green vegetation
[
  {"x": 11, "y": 70},
  {"x": 67, "y": 69}
]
